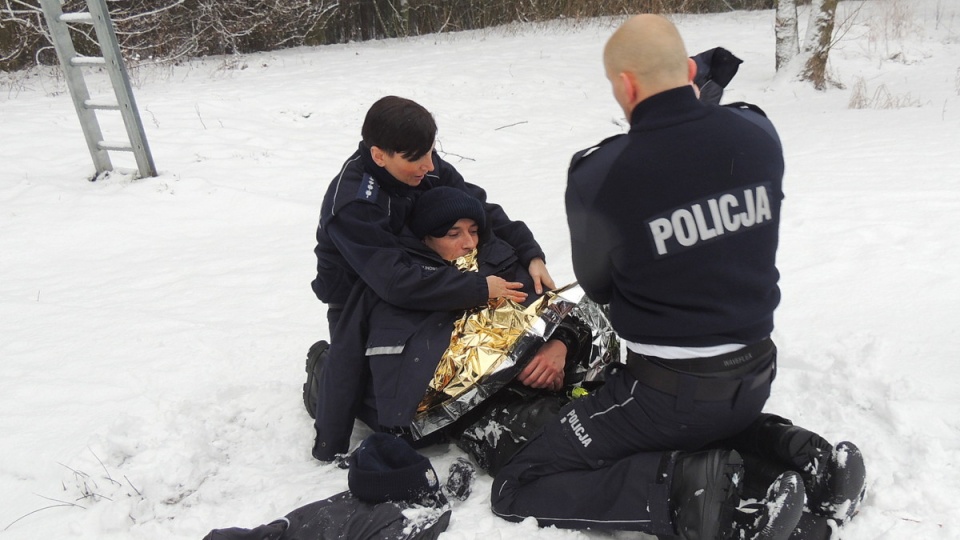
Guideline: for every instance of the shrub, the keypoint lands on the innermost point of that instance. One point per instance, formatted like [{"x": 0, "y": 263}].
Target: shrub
[{"x": 173, "y": 30}]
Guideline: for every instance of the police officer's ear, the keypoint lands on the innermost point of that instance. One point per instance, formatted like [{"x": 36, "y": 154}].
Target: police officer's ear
[
  {"x": 630, "y": 87},
  {"x": 693, "y": 80},
  {"x": 378, "y": 155}
]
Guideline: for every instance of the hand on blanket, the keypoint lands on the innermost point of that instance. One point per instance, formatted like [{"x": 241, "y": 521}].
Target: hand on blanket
[{"x": 546, "y": 368}]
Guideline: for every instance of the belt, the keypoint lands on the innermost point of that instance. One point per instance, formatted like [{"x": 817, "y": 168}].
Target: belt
[{"x": 718, "y": 382}]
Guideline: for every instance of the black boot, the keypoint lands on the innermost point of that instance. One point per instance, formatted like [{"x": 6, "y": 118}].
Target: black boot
[
  {"x": 704, "y": 494},
  {"x": 833, "y": 477},
  {"x": 775, "y": 516},
  {"x": 838, "y": 483},
  {"x": 311, "y": 389}
]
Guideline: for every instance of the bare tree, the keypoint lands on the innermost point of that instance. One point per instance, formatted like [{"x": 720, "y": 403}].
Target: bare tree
[
  {"x": 788, "y": 39},
  {"x": 816, "y": 43}
]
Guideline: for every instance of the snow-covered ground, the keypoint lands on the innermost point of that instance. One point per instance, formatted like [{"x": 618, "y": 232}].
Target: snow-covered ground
[{"x": 152, "y": 332}]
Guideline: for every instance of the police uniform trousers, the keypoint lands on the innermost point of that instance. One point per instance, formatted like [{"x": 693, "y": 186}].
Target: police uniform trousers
[{"x": 606, "y": 462}]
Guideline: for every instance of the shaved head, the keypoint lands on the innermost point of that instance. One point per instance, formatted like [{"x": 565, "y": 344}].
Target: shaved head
[{"x": 649, "y": 51}]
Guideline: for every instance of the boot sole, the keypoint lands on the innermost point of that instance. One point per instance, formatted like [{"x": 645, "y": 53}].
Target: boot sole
[
  {"x": 784, "y": 506},
  {"x": 846, "y": 481},
  {"x": 313, "y": 356}
]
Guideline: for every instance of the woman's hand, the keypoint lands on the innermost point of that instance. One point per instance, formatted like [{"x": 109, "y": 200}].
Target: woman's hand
[
  {"x": 541, "y": 277},
  {"x": 497, "y": 287},
  {"x": 546, "y": 368}
]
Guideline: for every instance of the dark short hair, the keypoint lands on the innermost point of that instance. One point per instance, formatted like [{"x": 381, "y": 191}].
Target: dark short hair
[{"x": 396, "y": 124}]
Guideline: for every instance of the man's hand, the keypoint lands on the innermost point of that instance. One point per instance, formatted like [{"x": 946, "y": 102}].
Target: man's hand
[
  {"x": 497, "y": 287},
  {"x": 541, "y": 278},
  {"x": 546, "y": 368}
]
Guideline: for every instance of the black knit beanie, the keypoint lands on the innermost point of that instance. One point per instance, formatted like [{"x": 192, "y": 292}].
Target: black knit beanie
[
  {"x": 386, "y": 468},
  {"x": 439, "y": 208}
]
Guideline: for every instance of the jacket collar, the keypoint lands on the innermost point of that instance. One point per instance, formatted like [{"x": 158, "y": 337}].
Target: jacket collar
[{"x": 667, "y": 108}]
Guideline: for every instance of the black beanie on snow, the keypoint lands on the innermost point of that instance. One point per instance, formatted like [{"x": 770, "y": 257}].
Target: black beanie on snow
[
  {"x": 439, "y": 208},
  {"x": 386, "y": 468}
]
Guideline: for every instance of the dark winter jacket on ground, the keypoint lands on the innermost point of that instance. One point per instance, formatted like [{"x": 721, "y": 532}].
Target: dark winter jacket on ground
[
  {"x": 363, "y": 214},
  {"x": 343, "y": 517},
  {"x": 379, "y": 367},
  {"x": 394, "y": 494}
]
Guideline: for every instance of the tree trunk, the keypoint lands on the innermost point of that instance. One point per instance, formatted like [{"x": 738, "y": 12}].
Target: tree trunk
[
  {"x": 788, "y": 40},
  {"x": 818, "y": 42},
  {"x": 404, "y": 17}
]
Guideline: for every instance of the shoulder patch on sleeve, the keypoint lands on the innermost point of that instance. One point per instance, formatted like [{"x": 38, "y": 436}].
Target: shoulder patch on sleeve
[
  {"x": 579, "y": 156},
  {"x": 369, "y": 189},
  {"x": 746, "y": 106}
]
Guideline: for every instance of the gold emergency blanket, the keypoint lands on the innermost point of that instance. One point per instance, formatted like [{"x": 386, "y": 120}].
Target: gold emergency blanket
[
  {"x": 480, "y": 342},
  {"x": 467, "y": 263},
  {"x": 486, "y": 347}
]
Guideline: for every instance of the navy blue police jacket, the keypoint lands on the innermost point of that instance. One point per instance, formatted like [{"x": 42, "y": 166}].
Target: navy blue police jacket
[
  {"x": 675, "y": 223},
  {"x": 386, "y": 355},
  {"x": 362, "y": 216},
  {"x": 344, "y": 516}
]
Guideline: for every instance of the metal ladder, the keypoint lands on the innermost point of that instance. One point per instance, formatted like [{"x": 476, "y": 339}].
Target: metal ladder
[{"x": 99, "y": 16}]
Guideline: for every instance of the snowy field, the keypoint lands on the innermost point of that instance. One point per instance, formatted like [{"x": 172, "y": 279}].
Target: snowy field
[{"x": 152, "y": 332}]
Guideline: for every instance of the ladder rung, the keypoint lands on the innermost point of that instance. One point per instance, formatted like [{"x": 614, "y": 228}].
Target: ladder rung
[
  {"x": 87, "y": 61},
  {"x": 76, "y": 18},
  {"x": 115, "y": 146},
  {"x": 101, "y": 105}
]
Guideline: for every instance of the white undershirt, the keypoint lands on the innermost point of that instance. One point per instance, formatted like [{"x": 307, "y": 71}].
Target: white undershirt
[{"x": 676, "y": 353}]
